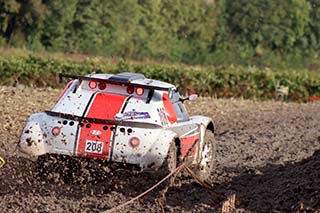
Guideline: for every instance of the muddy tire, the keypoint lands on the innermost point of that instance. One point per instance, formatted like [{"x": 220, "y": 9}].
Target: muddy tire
[
  {"x": 170, "y": 163},
  {"x": 207, "y": 157}
]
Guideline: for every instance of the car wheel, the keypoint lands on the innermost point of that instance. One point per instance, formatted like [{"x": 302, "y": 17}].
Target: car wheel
[
  {"x": 170, "y": 163},
  {"x": 207, "y": 157}
]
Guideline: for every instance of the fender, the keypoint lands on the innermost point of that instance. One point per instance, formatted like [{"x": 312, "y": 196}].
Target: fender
[
  {"x": 203, "y": 121},
  {"x": 37, "y": 137},
  {"x": 157, "y": 153},
  {"x": 32, "y": 140},
  {"x": 204, "y": 124}
]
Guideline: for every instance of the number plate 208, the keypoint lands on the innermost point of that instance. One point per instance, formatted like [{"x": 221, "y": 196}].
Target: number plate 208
[{"x": 94, "y": 146}]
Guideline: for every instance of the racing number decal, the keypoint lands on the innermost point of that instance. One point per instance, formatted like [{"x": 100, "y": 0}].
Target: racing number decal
[
  {"x": 95, "y": 138},
  {"x": 94, "y": 146}
]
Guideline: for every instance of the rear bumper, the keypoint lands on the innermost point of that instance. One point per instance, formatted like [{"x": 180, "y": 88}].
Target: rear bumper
[
  {"x": 36, "y": 139},
  {"x": 32, "y": 141}
]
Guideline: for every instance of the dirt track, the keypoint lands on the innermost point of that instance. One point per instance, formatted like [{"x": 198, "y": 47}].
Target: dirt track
[{"x": 267, "y": 156}]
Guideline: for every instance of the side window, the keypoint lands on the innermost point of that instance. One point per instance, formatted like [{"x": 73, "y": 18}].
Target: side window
[{"x": 179, "y": 108}]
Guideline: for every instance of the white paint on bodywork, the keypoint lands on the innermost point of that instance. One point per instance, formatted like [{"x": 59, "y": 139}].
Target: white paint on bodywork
[
  {"x": 64, "y": 142},
  {"x": 202, "y": 122},
  {"x": 73, "y": 103},
  {"x": 151, "y": 152},
  {"x": 37, "y": 138},
  {"x": 159, "y": 150},
  {"x": 152, "y": 82},
  {"x": 189, "y": 132},
  {"x": 137, "y": 104},
  {"x": 154, "y": 142},
  {"x": 32, "y": 140}
]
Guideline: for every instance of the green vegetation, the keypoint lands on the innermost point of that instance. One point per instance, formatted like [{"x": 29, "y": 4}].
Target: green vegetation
[
  {"x": 220, "y": 81},
  {"x": 244, "y": 47},
  {"x": 273, "y": 33}
]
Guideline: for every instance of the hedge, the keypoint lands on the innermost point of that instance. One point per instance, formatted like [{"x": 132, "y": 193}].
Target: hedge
[{"x": 223, "y": 81}]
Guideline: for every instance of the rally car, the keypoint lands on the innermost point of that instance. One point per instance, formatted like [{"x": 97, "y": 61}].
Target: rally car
[{"x": 125, "y": 118}]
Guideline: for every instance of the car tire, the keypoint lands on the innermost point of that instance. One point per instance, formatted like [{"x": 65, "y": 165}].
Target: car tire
[
  {"x": 206, "y": 162},
  {"x": 170, "y": 163}
]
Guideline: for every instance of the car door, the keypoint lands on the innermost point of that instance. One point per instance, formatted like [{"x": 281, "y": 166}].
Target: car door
[{"x": 186, "y": 129}]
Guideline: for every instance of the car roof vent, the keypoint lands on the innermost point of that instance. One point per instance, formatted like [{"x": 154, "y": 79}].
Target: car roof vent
[{"x": 126, "y": 77}]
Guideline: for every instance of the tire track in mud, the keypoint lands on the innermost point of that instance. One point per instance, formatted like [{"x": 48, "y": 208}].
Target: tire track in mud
[{"x": 267, "y": 155}]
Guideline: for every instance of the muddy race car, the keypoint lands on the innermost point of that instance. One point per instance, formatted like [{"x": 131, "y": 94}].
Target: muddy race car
[{"x": 123, "y": 118}]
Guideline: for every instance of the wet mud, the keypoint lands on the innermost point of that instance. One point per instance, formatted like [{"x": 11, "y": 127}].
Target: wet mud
[{"x": 267, "y": 155}]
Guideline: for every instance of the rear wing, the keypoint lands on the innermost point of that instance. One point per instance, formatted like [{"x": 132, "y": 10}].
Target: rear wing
[
  {"x": 103, "y": 121},
  {"x": 120, "y": 79}
]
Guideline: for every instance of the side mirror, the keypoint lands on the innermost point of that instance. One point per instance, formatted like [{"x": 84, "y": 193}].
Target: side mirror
[{"x": 193, "y": 97}]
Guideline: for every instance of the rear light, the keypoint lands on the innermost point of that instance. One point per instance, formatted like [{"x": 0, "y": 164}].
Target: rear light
[
  {"x": 134, "y": 142},
  {"x": 102, "y": 85},
  {"x": 55, "y": 131},
  {"x": 139, "y": 91},
  {"x": 92, "y": 84},
  {"x": 130, "y": 90}
]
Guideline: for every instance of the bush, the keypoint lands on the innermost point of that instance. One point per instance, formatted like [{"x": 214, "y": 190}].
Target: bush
[{"x": 219, "y": 81}]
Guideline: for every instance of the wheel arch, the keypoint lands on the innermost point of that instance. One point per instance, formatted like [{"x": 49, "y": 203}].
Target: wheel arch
[
  {"x": 157, "y": 153},
  {"x": 211, "y": 126},
  {"x": 204, "y": 122},
  {"x": 177, "y": 141}
]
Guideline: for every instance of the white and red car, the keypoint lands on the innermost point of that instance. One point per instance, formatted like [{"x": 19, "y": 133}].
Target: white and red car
[{"x": 124, "y": 118}]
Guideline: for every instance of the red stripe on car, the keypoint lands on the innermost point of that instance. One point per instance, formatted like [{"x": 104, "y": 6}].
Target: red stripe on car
[
  {"x": 92, "y": 135},
  {"x": 169, "y": 110},
  {"x": 187, "y": 142}
]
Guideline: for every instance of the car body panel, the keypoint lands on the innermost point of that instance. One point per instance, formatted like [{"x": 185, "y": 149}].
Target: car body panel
[
  {"x": 122, "y": 118},
  {"x": 102, "y": 106}
]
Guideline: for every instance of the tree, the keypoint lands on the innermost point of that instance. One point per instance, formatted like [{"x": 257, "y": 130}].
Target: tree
[
  {"x": 57, "y": 32},
  {"x": 180, "y": 30},
  {"x": 273, "y": 24},
  {"x": 122, "y": 36},
  {"x": 313, "y": 30},
  {"x": 21, "y": 21}
]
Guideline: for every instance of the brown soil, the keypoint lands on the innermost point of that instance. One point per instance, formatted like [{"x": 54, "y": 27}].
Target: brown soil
[{"x": 267, "y": 155}]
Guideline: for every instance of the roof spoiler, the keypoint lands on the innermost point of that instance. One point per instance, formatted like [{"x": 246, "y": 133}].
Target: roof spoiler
[
  {"x": 103, "y": 121},
  {"x": 115, "y": 79}
]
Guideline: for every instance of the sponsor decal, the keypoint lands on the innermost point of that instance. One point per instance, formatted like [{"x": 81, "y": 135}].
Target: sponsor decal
[
  {"x": 163, "y": 117},
  {"x": 95, "y": 132},
  {"x": 131, "y": 115}
]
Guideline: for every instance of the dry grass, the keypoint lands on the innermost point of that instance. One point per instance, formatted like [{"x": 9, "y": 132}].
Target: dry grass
[{"x": 229, "y": 206}]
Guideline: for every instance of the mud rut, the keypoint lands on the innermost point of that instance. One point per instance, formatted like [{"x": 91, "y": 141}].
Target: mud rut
[{"x": 267, "y": 155}]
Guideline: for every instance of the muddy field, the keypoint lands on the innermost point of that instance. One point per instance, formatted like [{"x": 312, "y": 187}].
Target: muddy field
[{"x": 267, "y": 155}]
